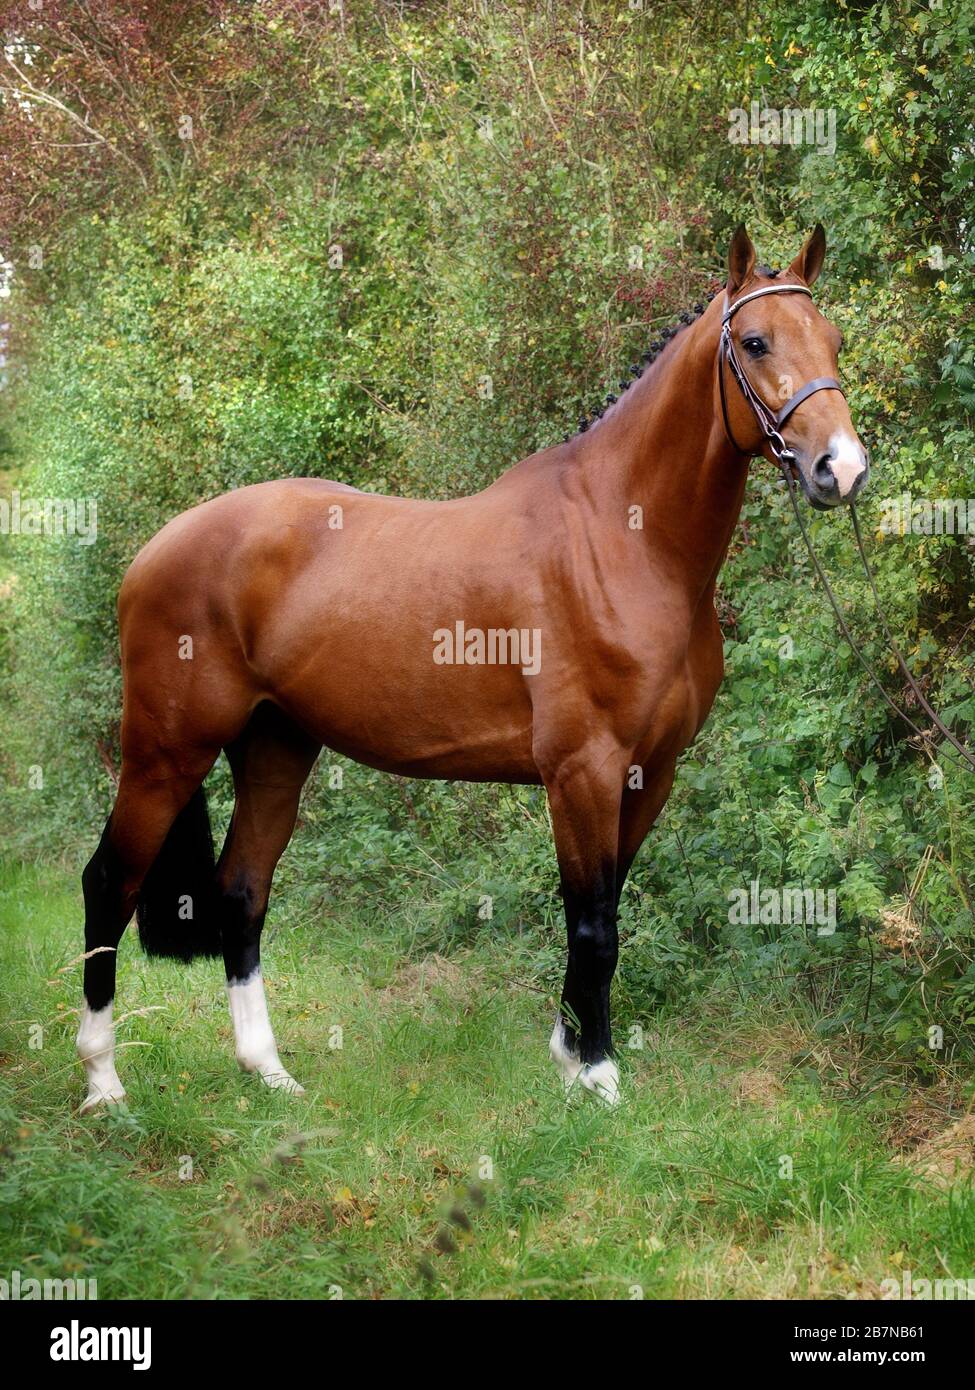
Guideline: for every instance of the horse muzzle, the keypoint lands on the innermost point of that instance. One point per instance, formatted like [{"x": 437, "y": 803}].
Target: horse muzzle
[{"x": 836, "y": 477}]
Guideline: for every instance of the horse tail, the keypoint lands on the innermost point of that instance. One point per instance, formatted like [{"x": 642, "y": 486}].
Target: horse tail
[{"x": 177, "y": 903}]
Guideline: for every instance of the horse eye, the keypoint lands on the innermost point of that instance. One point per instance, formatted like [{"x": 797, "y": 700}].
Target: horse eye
[{"x": 754, "y": 347}]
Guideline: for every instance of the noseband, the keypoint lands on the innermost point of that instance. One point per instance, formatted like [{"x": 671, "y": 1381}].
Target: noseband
[{"x": 770, "y": 423}]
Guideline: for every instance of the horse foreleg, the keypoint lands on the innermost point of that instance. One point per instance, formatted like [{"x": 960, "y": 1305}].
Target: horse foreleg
[
  {"x": 644, "y": 797},
  {"x": 584, "y": 799}
]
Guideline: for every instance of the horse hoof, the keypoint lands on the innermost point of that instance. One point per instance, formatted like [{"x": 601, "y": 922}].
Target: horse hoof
[
  {"x": 603, "y": 1079},
  {"x": 95, "y": 1099},
  {"x": 282, "y": 1081},
  {"x": 562, "y": 1055}
]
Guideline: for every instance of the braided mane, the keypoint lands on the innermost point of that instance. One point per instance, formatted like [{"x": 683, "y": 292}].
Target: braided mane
[{"x": 653, "y": 352}]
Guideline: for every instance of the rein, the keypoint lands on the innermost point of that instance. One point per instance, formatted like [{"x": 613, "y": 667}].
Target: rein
[{"x": 771, "y": 425}]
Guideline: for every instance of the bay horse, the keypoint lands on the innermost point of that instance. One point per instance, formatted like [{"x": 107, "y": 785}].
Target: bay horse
[{"x": 556, "y": 628}]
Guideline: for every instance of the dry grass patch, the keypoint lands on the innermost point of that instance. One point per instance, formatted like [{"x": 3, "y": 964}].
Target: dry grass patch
[
  {"x": 415, "y": 981},
  {"x": 948, "y": 1157},
  {"x": 759, "y": 1086}
]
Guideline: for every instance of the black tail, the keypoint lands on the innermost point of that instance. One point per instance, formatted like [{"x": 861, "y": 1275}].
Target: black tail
[{"x": 177, "y": 907}]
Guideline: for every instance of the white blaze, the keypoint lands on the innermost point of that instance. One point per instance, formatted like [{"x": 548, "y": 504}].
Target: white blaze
[{"x": 847, "y": 461}]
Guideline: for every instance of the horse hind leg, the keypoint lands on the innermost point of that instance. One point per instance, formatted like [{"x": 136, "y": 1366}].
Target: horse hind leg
[
  {"x": 270, "y": 761},
  {"x": 150, "y": 801},
  {"x": 106, "y": 918}
]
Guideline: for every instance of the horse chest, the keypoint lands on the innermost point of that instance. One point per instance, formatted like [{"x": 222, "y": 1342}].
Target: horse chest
[{"x": 681, "y": 671}]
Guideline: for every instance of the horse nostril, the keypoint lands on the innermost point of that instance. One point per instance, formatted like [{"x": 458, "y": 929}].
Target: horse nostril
[{"x": 823, "y": 475}]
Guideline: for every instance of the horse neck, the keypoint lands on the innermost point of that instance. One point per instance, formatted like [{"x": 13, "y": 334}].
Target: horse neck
[{"x": 663, "y": 448}]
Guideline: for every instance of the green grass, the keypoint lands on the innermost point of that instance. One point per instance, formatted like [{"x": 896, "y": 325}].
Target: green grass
[{"x": 434, "y": 1154}]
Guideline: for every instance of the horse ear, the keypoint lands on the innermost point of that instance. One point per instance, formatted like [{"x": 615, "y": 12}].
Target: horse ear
[
  {"x": 741, "y": 259},
  {"x": 809, "y": 261}
]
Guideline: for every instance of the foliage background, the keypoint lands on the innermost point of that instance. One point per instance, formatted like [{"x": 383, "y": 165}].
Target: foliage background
[{"x": 486, "y": 170}]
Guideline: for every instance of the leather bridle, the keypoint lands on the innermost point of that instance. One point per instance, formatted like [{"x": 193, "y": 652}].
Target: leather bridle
[
  {"x": 770, "y": 422},
  {"x": 771, "y": 425}
]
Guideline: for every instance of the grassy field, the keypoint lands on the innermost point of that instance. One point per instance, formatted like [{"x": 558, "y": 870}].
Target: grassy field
[{"x": 434, "y": 1155}]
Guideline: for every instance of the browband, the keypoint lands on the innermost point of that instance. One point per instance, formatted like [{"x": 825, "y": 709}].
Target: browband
[{"x": 757, "y": 294}]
